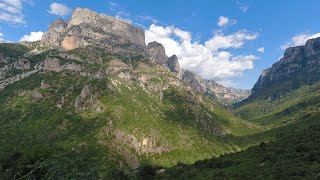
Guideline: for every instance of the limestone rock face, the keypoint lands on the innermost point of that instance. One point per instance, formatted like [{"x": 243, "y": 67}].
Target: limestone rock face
[
  {"x": 299, "y": 65},
  {"x": 85, "y": 92},
  {"x": 58, "y": 25},
  {"x": 52, "y": 64},
  {"x": 22, "y": 64},
  {"x": 44, "y": 85},
  {"x": 87, "y": 28},
  {"x": 158, "y": 55},
  {"x": 157, "y": 52},
  {"x": 53, "y": 37},
  {"x": 87, "y": 100},
  {"x": 213, "y": 89},
  {"x": 173, "y": 64},
  {"x": 36, "y": 95},
  {"x": 312, "y": 47}
]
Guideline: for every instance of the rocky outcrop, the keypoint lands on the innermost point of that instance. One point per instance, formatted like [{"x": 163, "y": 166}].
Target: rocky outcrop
[
  {"x": 36, "y": 95},
  {"x": 88, "y": 100},
  {"x": 55, "y": 34},
  {"x": 52, "y": 64},
  {"x": 213, "y": 89},
  {"x": 299, "y": 65},
  {"x": 44, "y": 85},
  {"x": 22, "y": 64},
  {"x": 87, "y": 28},
  {"x": 158, "y": 55},
  {"x": 173, "y": 64},
  {"x": 157, "y": 52}
]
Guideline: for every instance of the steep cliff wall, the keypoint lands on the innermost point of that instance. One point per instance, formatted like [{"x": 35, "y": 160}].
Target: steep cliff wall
[
  {"x": 300, "y": 65},
  {"x": 88, "y": 28}
]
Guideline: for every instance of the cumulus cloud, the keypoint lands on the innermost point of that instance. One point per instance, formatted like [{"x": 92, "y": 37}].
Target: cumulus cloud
[
  {"x": 34, "y": 36},
  {"x": 299, "y": 40},
  {"x": 225, "y": 21},
  {"x": 59, "y": 9},
  {"x": 261, "y": 49},
  {"x": 11, "y": 11},
  {"x": 236, "y": 40},
  {"x": 210, "y": 60}
]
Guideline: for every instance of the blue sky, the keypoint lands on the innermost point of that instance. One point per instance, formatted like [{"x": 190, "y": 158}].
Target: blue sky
[{"x": 217, "y": 39}]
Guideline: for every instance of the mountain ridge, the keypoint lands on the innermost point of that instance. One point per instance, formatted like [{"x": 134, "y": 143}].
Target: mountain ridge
[{"x": 299, "y": 59}]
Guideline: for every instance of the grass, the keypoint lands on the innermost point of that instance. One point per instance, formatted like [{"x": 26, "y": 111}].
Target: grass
[{"x": 289, "y": 107}]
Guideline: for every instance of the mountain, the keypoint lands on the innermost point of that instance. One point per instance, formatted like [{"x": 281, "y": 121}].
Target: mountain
[
  {"x": 286, "y": 86},
  {"x": 285, "y": 102},
  {"x": 213, "y": 89},
  {"x": 299, "y": 66},
  {"x": 87, "y": 28},
  {"x": 92, "y": 101}
]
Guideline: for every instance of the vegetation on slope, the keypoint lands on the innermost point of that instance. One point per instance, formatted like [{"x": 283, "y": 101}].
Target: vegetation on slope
[
  {"x": 289, "y": 145},
  {"x": 295, "y": 154},
  {"x": 55, "y": 131},
  {"x": 282, "y": 109}
]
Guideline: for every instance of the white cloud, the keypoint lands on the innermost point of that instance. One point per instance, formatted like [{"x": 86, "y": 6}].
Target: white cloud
[
  {"x": 244, "y": 7},
  {"x": 148, "y": 18},
  {"x": 299, "y": 40},
  {"x": 59, "y": 9},
  {"x": 236, "y": 40},
  {"x": 11, "y": 11},
  {"x": 261, "y": 49},
  {"x": 34, "y": 36},
  {"x": 222, "y": 20},
  {"x": 225, "y": 21},
  {"x": 15, "y": 3},
  {"x": 210, "y": 60},
  {"x": 1, "y": 37}
]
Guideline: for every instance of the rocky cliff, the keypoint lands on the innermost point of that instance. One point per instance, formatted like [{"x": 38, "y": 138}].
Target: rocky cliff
[
  {"x": 213, "y": 89},
  {"x": 300, "y": 65},
  {"x": 87, "y": 28},
  {"x": 157, "y": 52},
  {"x": 158, "y": 55}
]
